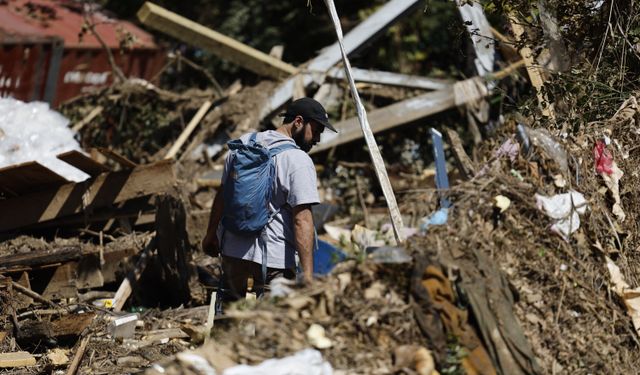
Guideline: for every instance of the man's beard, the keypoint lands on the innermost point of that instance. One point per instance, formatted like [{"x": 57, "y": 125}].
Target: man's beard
[{"x": 298, "y": 137}]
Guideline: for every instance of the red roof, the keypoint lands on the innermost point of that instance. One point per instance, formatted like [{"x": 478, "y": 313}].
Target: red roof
[{"x": 63, "y": 18}]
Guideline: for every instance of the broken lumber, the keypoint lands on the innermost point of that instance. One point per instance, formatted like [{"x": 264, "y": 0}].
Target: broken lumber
[
  {"x": 464, "y": 163},
  {"x": 189, "y": 129},
  {"x": 102, "y": 191},
  {"x": 368, "y": 29},
  {"x": 126, "y": 287},
  {"x": 392, "y": 79},
  {"x": 34, "y": 295},
  {"x": 374, "y": 151},
  {"x": 388, "y": 117},
  {"x": 400, "y": 113},
  {"x": 221, "y": 45},
  {"x": 40, "y": 258},
  {"x": 73, "y": 368},
  {"x": 533, "y": 69},
  {"x": 16, "y": 359}
]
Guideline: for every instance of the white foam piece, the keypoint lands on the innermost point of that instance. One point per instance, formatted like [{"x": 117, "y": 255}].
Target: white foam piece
[{"x": 34, "y": 132}]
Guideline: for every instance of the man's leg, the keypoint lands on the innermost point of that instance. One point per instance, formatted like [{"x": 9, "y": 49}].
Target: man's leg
[{"x": 235, "y": 273}]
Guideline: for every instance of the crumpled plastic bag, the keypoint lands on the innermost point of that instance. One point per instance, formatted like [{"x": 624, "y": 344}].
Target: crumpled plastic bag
[
  {"x": 611, "y": 174},
  {"x": 565, "y": 209}
]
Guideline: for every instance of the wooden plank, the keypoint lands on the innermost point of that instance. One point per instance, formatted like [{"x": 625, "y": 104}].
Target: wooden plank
[
  {"x": 39, "y": 258},
  {"x": 221, "y": 45},
  {"x": 374, "y": 151},
  {"x": 188, "y": 130},
  {"x": 533, "y": 69},
  {"x": 392, "y": 79},
  {"x": 388, "y": 117},
  {"x": 102, "y": 191},
  {"x": 77, "y": 358},
  {"x": 126, "y": 287},
  {"x": 367, "y": 30},
  {"x": 83, "y": 163},
  {"x": 16, "y": 359},
  {"x": 28, "y": 177}
]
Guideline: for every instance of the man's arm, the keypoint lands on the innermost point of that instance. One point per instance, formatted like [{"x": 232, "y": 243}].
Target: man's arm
[
  {"x": 303, "y": 231},
  {"x": 210, "y": 243}
]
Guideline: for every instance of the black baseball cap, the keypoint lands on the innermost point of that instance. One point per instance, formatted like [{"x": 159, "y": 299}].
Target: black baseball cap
[{"x": 309, "y": 109}]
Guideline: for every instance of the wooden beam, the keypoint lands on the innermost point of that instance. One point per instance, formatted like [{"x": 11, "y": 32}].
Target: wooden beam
[
  {"x": 533, "y": 69},
  {"x": 16, "y": 359},
  {"x": 388, "y": 117},
  {"x": 126, "y": 287},
  {"x": 221, "y": 45},
  {"x": 392, "y": 79},
  {"x": 27, "y": 177},
  {"x": 188, "y": 130},
  {"x": 35, "y": 296},
  {"x": 39, "y": 258},
  {"x": 367, "y": 30},
  {"x": 102, "y": 191},
  {"x": 400, "y": 113},
  {"x": 77, "y": 358}
]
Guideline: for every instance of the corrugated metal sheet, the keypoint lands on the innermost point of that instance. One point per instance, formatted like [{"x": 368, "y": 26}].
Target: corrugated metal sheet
[
  {"x": 63, "y": 19},
  {"x": 41, "y": 57}
]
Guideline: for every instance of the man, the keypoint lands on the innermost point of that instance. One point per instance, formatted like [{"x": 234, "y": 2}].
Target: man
[{"x": 294, "y": 192}]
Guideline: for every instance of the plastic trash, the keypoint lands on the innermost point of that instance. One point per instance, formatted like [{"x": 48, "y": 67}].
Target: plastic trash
[
  {"x": 611, "y": 174},
  {"x": 326, "y": 257},
  {"x": 388, "y": 254},
  {"x": 565, "y": 209},
  {"x": 439, "y": 217},
  {"x": 123, "y": 327},
  {"x": 305, "y": 362},
  {"x": 509, "y": 148},
  {"x": 543, "y": 139},
  {"x": 603, "y": 158}
]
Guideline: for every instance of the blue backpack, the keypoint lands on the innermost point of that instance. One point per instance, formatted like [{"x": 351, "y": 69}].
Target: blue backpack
[{"x": 248, "y": 188}]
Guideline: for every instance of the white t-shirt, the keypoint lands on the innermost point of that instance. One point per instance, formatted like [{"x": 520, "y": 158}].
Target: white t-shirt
[{"x": 294, "y": 184}]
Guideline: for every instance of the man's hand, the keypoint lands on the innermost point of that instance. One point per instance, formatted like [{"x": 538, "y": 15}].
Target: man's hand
[{"x": 210, "y": 244}]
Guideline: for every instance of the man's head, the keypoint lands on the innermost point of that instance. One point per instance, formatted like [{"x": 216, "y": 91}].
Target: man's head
[{"x": 307, "y": 119}]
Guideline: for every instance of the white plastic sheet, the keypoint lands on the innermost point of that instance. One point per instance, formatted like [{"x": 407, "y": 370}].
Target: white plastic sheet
[
  {"x": 34, "y": 132},
  {"x": 305, "y": 362}
]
